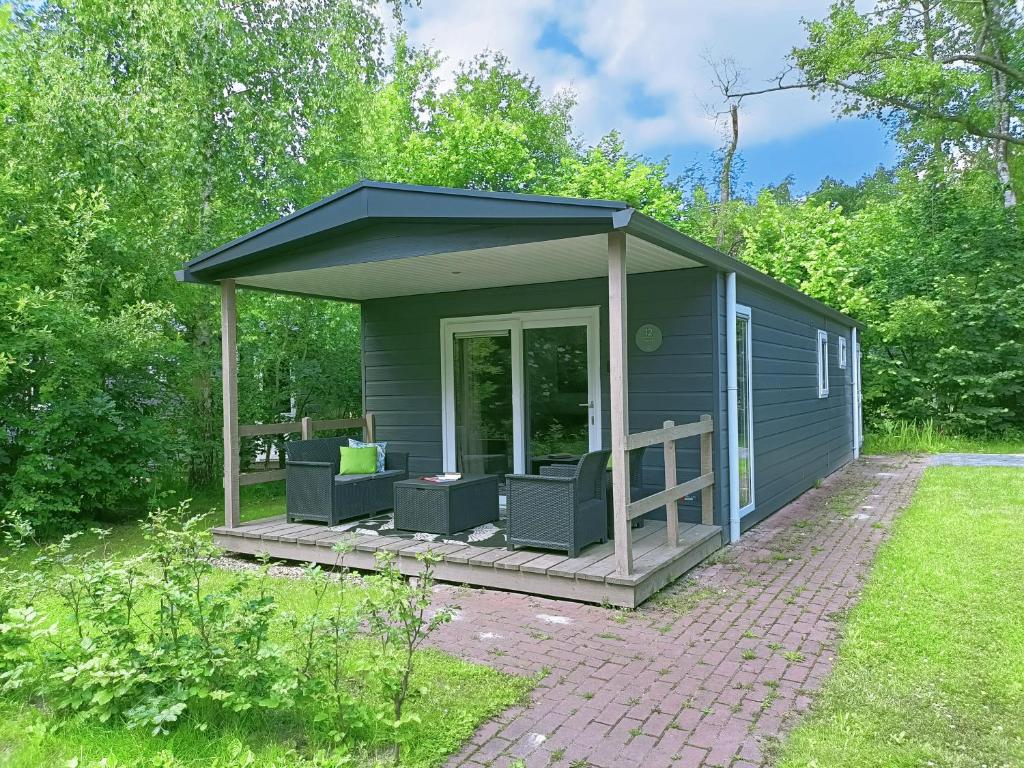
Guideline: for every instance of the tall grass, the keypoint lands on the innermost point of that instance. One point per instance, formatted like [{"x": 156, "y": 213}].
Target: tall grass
[{"x": 902, "y": 436}]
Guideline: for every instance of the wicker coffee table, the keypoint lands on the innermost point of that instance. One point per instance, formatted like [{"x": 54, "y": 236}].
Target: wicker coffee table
[{"x": 446, "y": 508}]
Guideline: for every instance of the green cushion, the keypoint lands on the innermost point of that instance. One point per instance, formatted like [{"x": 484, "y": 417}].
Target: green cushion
[{"x": 358, "y": 461}]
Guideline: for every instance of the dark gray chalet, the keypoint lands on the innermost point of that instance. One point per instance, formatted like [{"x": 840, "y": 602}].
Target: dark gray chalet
[{"x": 501, "y": 330}]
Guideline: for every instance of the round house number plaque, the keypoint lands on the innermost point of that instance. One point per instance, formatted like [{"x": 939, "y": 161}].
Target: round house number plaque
[{"x": 648, "y": 338}]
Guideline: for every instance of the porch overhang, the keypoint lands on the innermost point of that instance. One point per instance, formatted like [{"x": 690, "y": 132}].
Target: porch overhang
[{"x": 378, "y": 240}]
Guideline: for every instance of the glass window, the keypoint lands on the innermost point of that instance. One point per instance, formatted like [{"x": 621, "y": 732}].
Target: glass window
[
  {"x": 822, "y": 364},
  {"x": 744, "y": 409},
  {"x": 483, "y": 404},
  {"x": 842, "y": 352},
  {"x": 557, "y": 394}
]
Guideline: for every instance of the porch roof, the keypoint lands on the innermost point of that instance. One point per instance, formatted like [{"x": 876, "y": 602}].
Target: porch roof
[{"x": 376, "y": 240}]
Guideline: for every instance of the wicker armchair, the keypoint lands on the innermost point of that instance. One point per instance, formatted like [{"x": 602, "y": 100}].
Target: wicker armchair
[
  {"x": 563, "y": 507},
  {"x": 315, "y": 491}
]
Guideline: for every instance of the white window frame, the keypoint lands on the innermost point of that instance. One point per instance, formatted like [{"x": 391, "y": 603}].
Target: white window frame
[
  {"x": 822, "y": 363},
  {"x": 842, "y": 352},
  {"x": 515, "y": 323},
  {"x": 743, "y": 311}
]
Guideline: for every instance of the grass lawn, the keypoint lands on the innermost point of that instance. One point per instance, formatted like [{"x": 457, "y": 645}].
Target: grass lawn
[
  {"x": 457, "y": 697},
  {"x": 931, "y": 668},
  {"x": 461, "y": 696},
  {"x": 257, "y": 501}
]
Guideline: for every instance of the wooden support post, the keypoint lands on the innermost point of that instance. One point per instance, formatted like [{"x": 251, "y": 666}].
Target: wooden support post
[
  {"x": 368, "y": 428},
  {"x": 229, "y": 384},
  {"x": 619, "y": 406},
  {"x": 306, "y": 430},
  {"x": 672, "y": 508},
  {"x": 707, "y": 495}
]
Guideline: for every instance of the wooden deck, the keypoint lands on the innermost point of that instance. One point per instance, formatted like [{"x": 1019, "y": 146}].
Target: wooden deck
[{"x": 591, "y": 577}]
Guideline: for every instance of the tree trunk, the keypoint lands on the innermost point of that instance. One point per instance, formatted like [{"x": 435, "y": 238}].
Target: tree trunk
[
  {"x": 725, "y": 183},
  {"x": 1002, "y": 147},
  {"x": 989, "y": 40}
]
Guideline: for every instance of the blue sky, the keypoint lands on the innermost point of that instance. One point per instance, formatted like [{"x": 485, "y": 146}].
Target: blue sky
[
  {"x": 845, "y": 149},
  {"x": 639, "y": 66}
]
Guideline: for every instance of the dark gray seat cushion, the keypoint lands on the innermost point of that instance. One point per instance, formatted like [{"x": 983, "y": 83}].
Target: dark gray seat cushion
[
  {"x": 350, "y": 478},
  {"x": 385, "y": 475},
  {"x": 391, "y": 473}
]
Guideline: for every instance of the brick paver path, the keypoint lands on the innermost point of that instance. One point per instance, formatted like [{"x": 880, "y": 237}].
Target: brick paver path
[{"x": 709, "y": 674}]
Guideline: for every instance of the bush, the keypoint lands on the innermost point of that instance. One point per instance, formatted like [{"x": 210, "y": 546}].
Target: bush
[
  {"x": 151, "y": 640},
  {"x": 147, "y": 639},
  {"x": 85, "y": 404}
]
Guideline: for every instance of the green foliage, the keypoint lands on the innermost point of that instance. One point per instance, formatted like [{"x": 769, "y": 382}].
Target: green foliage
[
  {"x": 298, "y": 358},
  {"x": 83, "y": 392},
  {"x": 902, "y": 436},
  {"x": 492, "y": 130},
  {"x": 157, "y": 639},
  {"x": 145, "y": 641},
  {"x": 946, "y": 76},
  {"x": 931, "y": 264},
  {"x": 399, "y": 619},
  {"x": 162, "y": 130},
  {"x": 609, "y": 171}
]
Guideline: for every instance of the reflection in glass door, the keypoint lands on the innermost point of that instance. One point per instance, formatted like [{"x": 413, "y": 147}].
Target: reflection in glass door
[
  {"x": 744, "y": 409},
  {"x": 482, "y": 367},
  {"x": 556, "y": 393}
]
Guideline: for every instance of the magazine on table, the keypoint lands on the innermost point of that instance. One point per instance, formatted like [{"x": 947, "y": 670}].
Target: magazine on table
[{"x": 447, "y": 477}]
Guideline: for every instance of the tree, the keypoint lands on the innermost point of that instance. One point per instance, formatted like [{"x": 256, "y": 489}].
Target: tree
[
  {"x": 726, "y": 76},
  {"x": 948, "y": 77},
  {"x": 492, "y": 130},
  {"x": 161, "y": 130},
  {"x": 930, "y": 264},
  {"x": 608, "y": 171}
]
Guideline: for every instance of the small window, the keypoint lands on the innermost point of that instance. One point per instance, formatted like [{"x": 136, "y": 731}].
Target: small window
[
  {"x": 842, "y": 352},
  {"x": 822, "y": 364}
]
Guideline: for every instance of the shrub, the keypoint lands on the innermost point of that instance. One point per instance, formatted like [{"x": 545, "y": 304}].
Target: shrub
[
  {"x": 399, "y": 622},
  {"x": 150, "y": 640},
  {"x": 361, "y": 682}
]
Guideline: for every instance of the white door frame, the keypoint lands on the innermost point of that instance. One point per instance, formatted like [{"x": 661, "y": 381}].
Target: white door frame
[{"x": 515, "y": 323}]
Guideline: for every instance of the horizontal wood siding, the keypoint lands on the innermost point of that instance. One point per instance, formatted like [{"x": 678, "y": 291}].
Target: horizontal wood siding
[
  {"x": 402, "y": 359},
  {"x": 799, "y": 438}
]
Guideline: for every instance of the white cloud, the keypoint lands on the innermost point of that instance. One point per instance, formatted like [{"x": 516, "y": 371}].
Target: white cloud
[{"x": 634, "y": 48}]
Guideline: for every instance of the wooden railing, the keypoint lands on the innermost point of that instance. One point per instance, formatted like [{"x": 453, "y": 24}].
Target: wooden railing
[
  {"x": 673, "y": 492},
  {"x": 306, "y": 428}
]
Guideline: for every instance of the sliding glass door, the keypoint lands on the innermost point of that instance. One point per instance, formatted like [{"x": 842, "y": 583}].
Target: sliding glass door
[
  {"x": 520, "y": 390},
  {"x": 482, "y": 369},
  {"x": 557, "y": 393}
]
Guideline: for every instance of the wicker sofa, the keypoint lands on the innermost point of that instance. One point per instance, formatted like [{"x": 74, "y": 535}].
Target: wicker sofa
[
  {"x": 562, "y": 508},
  {"x": 315, "y": 491}
]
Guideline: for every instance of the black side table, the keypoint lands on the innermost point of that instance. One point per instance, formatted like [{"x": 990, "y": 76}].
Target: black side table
[{"x": 446, "y": 507}]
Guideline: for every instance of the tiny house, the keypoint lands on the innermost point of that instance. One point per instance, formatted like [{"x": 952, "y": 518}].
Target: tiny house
[{"x": 503, "y": 331}]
